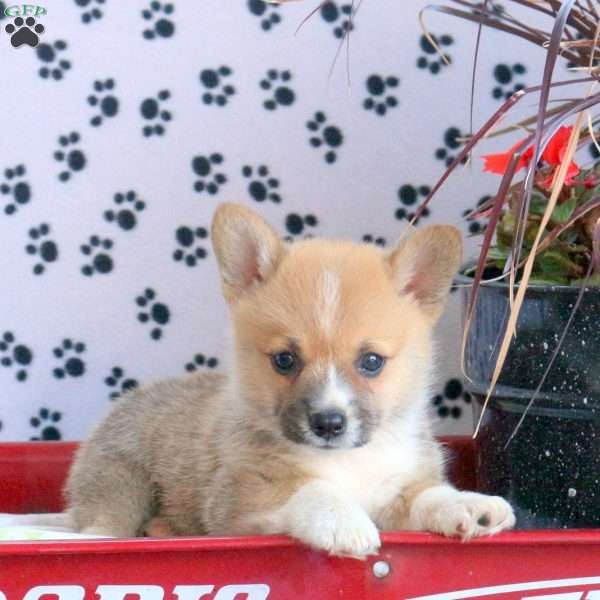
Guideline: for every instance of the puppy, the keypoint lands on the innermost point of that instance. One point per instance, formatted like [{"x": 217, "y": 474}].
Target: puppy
[{"x": 319, "y": 431}]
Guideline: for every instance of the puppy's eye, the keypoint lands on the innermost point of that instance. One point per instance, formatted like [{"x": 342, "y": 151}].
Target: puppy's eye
[
  {"x": 370, "y": 364},
  {"x": 284, "y": 362}
]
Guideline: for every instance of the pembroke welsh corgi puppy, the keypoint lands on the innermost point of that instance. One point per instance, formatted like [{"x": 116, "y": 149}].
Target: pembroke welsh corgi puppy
[{"x": 320, "y": 430}]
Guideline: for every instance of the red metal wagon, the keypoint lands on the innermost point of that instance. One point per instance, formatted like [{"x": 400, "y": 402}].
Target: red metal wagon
[{"x": 563, "y": 565}]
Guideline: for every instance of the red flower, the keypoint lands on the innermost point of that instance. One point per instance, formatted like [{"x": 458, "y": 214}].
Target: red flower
[
  {"x": 553, "y": 156},
  {"x": 498, "y": 163}
]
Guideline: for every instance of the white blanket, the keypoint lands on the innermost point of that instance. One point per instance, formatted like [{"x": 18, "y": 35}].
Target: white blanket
[{"x": 49, "y": 526}]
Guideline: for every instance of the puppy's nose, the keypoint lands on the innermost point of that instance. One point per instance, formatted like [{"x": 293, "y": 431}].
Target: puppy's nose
[{"x": 328, "y": 424}]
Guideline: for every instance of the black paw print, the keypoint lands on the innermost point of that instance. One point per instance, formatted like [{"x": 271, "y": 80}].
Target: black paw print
[
  {"x": 74, "y": 158},
  {"x": 45, "y": 422},
  {"x": 157, "y": 14},
  {"x": 266, "y": 12},
  {"x": 107, "y": 104},
  {"x": 411, "y": 196},
  {"x": 452, "y": 141},
  {"x": 16, "y": 187},
  {"x": 203, "y": 167},
  {"x": 119, "y": 383},
  {"x": 329, "y": 135},
  {"x": 594, "y": 153},
  {"x": 151, "y": 110},
  {"x": 380, "y": 100},
  {"x": 125, "y": 215},
  {"x": 504, "y": 75},
  {"x": 69, "y": 352},
  {"x": 189, "y": 252},
  {"x": 475, "y": 225},
  {"x": 282, "y": 94},
  {"x": 91, "y": 10},
  {"x": 16, "y": 356},
  {"x": 24, "y": 31},
  {"x": 371, "y": 239},
  {"x": 261, "y": 187},
  {"x": 200, "y": 361},
  {"x": 98, "y": 249},
  {"x": 218, "y": 93},
  {"x": 153, "y": 313},
  {"x": 432, "y": 60},
  {"x": 50, "y": 53},
  {"x": 338, "y": 16},
  {"x": 453, "y": 392},
  {"x": 296, "y": 225},
  {"x": 45, "y": 250}
]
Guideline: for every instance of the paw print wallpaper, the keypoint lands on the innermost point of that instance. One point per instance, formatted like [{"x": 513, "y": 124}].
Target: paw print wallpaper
[{"x": 124, "y": 124}]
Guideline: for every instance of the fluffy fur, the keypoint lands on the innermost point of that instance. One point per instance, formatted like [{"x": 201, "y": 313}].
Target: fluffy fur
[{"x": 237, "y": 455}]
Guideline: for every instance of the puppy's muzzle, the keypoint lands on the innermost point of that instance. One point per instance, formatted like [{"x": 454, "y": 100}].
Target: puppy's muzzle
[{"x": 328, "y": 424}]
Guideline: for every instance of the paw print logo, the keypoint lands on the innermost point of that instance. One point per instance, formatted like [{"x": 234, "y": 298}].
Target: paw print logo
[
  {"x": 24, "y": 32},
  {"x": 45, "y": 422},
  {"x": 431, "y": 59},
  {"x": 16, "y": 188},
  {"x": 329, "y": 136},
  {"x": 160, "y": 25},
  {"x": 265, "y": 11},
  {"x": 97, "y": 249},
  {"x": 453, "y": 139},
  {"x": 200, "y": 361},
  {"x": 154, "y": 313},
  {"x": 118, "y": 383},
  {"x": 261, "y": 186},
  {"x": 43, "y": 249},
  {"x": 296, "y": 225},
  {"x": 15, "y": 356},
  {"x": 475, "y": 225},
  {"x": 411, "y": 196},
  {"x": 90, "y": 10},
  {"x": 189, "y": 251},
  {"x": 54, "y": 66},
  {"x": 127, "y": 205},
  {"x": 151, "y": 109},
  {"x": 205, "y": 167},
  {"x": 276, "y": 83},
  {"x": 71, "y": 364},
  {"x": 594, "y": 153},
  {"x": 73, "y": 158},
  {"x": 103, "y": 99},
  {"x": 505, "y": 76},
  {"x": 340, "y": 17},
  {"x": 446, "y": 403},
  {"x": 217, "y": 92},
  {"x": 371, "y": 239},
  {"x": 380, "y": 99}
]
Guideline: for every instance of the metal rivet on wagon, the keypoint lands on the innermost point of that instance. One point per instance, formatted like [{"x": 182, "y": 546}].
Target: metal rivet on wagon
[{"x": 381, "y": 569}]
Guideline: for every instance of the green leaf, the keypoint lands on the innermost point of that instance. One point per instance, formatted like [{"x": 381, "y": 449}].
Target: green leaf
[
  {"x": 538, "y": 203},
  {"x": 548, "y": 281},
  {"x": 553, "y": 264},
  {"x": 562, "y": 212},
  {"x": 498, "y": 253},
  {"x": 593, "y": 281}
]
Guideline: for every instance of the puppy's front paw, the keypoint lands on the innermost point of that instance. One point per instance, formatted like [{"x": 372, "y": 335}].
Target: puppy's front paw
[
  {"x": 345, "y": 532},
  {"x": 332, "y": 523},
  {"x": 464, "y": 514}
]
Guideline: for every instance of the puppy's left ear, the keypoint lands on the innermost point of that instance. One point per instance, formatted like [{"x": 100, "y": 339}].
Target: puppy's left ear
[
  {"x": 247, "y": 248},
  {"x": 424, "y": 264}
]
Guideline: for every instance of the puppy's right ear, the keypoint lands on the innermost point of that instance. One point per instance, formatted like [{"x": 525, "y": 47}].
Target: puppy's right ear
[{"x": 248, "y": 249}]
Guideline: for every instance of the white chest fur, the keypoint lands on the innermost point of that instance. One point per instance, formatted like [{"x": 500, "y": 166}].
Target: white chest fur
[{"x": 372, "y": 475}]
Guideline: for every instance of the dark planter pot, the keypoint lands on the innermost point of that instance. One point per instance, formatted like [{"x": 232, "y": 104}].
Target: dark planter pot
[{"x": 550, "y": 471}]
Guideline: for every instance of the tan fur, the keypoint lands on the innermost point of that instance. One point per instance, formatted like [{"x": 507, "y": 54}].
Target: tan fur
[{"x": 233, "y": 455}]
